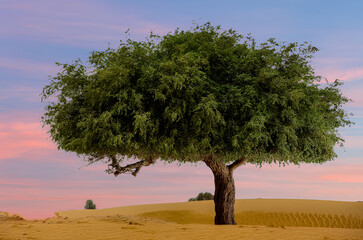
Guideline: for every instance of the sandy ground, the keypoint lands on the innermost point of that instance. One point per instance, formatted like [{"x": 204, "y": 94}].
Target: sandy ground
[{"x": 257, "y": 219}]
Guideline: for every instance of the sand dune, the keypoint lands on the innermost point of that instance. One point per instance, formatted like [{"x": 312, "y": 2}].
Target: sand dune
[
  {"x": 267, "y": 212},
  {"x": 256, "y": 219}
]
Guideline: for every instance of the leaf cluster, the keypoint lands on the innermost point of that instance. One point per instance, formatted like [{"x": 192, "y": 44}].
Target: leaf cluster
[{"x": 189, "y": 94}]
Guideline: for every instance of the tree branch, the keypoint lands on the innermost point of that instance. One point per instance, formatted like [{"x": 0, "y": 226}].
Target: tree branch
[
  {"x": 236, "y": 164},
  {"x": 134, "y": 168},
  {"x": 216, "y": 166},
  {"x": 212, "y": 164}
]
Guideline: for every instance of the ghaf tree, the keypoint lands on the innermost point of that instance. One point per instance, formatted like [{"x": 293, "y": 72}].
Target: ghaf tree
[{"x": 199, "y": 95}]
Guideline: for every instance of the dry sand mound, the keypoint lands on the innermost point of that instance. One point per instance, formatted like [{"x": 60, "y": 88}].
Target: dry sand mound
[
  {"x": 270, "y": 219},
  {"x": 315, "y": 220},
  {"x": 266, "y": 212},
  {"x": 4, "y": 216}
]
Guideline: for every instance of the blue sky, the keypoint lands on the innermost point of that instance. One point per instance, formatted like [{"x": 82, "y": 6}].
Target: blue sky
[{"x": 35, "y": 34}]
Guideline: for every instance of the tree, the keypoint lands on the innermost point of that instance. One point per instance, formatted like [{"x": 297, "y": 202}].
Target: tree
[
  {"x": 202, "y": 196},
  {"x": 198, "y": 95},
  {"x": 90, "y": 204}
]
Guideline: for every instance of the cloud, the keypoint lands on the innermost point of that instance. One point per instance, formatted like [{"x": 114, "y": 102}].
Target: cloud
[
  {"x": 344, "y": 178},
  {"x": 81, "y": 23},
  {"x": 26, "y": 66},
  {"x": 346, "y": 69},
  {"x": 353, "y": 142},
  {"x": 357, "y": 98},
  {"x": 351, "y": 74},
  {"x": 21, "y": 135},
  {"x": 31, "y": 94}
]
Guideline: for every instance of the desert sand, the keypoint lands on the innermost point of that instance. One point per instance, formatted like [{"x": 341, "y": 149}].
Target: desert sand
[{"x": 256, "y": 218}]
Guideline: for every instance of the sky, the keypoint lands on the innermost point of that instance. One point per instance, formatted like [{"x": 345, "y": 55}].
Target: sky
[{"x": 37, "y": 179}]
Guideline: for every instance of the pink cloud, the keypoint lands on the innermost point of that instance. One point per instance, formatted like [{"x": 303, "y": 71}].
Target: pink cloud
[
  {"x": 353, "y": 142},
  {"x": 352, "y": 74},
  {"x": 343, "y": 178},
  {"x": 339, "y": 68},
  {"x": 29, "y": 94},
  {"x": 19, "y": 137},
  {"x": 29, "y": 66},
  {"x": 335, "y": 72},
  {"x": 356, "y": 96},
  {"x": 87, "y": 24}
]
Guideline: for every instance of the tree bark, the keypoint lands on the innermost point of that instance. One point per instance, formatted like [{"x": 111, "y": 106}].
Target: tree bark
[{"x": 224, "y": 195}]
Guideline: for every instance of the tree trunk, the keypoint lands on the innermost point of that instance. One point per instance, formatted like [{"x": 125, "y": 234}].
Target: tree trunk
[{"x": 224, "y": 195}]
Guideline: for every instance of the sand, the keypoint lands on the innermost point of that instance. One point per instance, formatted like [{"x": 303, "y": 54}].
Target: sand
[{"x": 256, "y": 218}]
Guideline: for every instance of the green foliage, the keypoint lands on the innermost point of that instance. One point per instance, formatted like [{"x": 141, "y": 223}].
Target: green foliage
[
  {"x": 90, "y": 204},
  {"x": 202, "y": 196},
  {"x": 194, "y": 93}
]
